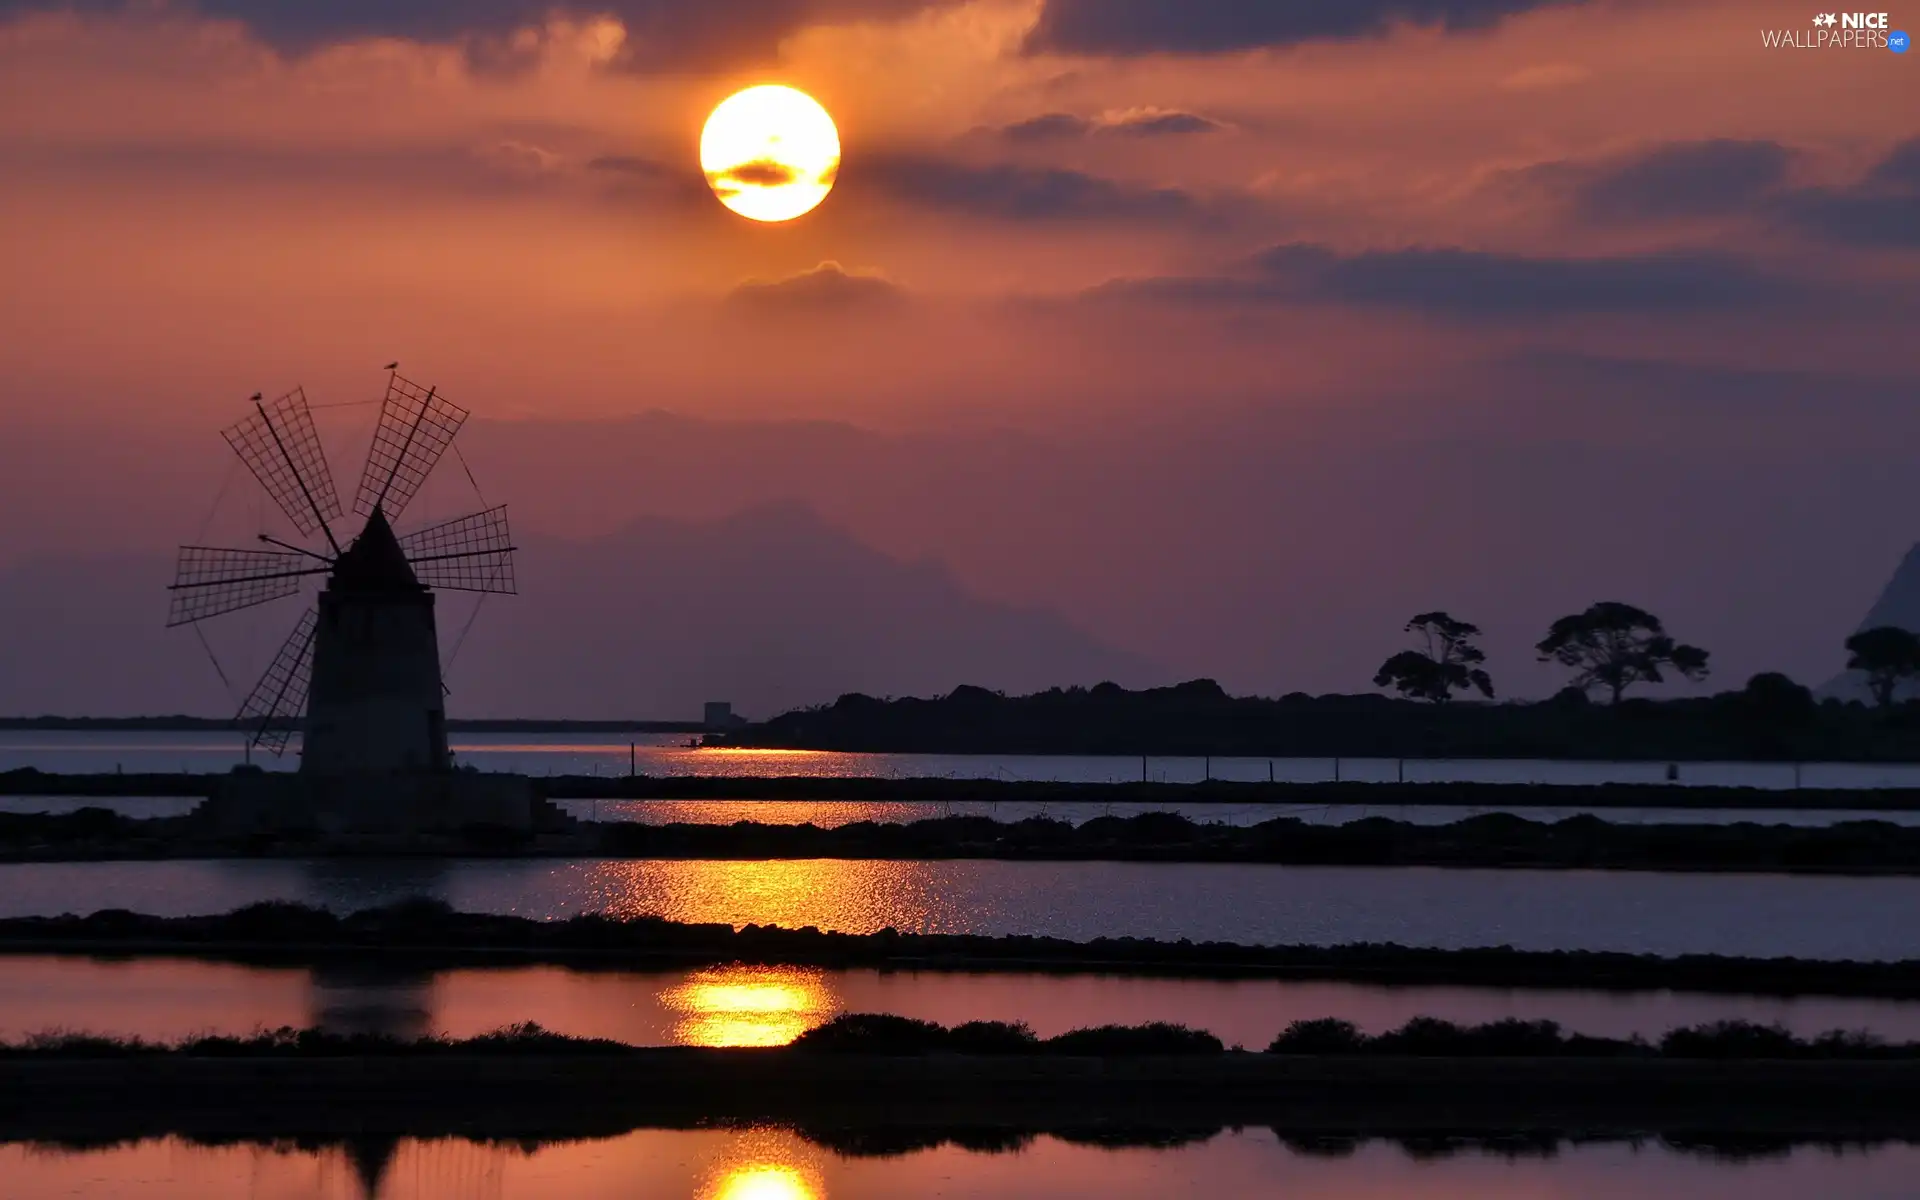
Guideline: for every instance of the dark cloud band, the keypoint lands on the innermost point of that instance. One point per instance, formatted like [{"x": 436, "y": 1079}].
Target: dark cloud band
[
  {"x": 1130, "y": 27},
  {"x": 660, "y": 33},
  {"x": 1019, "y": 193},
  {"x": 1476, "y": 285}
]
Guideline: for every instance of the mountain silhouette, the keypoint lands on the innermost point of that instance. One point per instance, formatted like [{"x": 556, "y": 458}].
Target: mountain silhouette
[{"x": 769, "y": 608}]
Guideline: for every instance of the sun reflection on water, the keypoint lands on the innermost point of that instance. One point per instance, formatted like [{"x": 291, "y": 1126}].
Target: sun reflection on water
[
  {"x": 763, "y": 1181},
  {"x": 853, "y": 896},
  {"x": 764, "y": 1164},
  {"x": 749, "y": 1006}
]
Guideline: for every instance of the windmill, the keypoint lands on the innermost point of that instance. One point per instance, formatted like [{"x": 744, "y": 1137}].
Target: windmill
[{"x": 364, "y": 662}]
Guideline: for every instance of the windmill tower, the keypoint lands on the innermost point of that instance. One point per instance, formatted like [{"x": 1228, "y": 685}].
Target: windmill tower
[{"x": 364, "y": 663}]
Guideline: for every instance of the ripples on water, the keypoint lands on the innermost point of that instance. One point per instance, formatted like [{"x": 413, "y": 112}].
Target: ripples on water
[
  {"x": 779, "y": 1164},
  {"x": 1639, "y": 911}
]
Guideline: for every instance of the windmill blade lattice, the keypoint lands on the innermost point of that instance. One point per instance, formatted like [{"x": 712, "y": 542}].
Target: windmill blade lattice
[
  {"x": 473, "y": 553},
  {"x": 416, "y": 426},
  {"x": 280, "y": 446},
  {"x": 281, "y": 694},
  {"x": 211, "y": 580}
]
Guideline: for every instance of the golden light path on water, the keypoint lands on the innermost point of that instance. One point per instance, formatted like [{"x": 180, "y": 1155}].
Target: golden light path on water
[
  {"x": 749, "y": 1005},
  {"x": 852, "y": 896},
  {"x": 765, "y": 1164}
]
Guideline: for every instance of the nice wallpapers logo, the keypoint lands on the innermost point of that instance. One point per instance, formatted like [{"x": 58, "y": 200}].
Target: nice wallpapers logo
[{"x": 1839, "y": 31}]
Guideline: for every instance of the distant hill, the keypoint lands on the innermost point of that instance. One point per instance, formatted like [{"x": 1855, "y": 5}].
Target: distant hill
[
  {"x": 1198, "y": 717},
  {"x": 770, "y": 608},
  {"x": 1899, "y": 606}
]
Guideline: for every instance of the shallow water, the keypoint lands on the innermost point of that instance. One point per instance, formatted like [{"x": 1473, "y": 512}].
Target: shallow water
[
  {"x": 738, "y": 1005},
  {"x": 617, "y": 754},
  {"x": 1639, "y": 911},
  {"x": 777, "y": 1164},
  {"x": 833, "y": 813}
]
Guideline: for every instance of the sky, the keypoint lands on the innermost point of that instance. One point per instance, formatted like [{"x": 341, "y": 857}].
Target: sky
[{"x": 1231, "y": 333}]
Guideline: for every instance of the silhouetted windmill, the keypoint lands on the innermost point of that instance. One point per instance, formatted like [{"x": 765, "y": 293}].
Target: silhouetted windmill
[{"x": 364, "y": 664}]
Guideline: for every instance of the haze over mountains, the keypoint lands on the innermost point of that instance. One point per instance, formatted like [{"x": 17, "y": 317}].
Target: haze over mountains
[
  {"x": 770, "y": 608},
  {"x": 1271, "y": 549}
]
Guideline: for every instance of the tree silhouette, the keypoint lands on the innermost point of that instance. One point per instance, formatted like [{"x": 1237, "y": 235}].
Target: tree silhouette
[
  {"x": 1774, "y": 699},
  {"x": 1449, "y": 664},
  {"x": 1614, "y": 646},
  {"x": 1889, "y": 655}
]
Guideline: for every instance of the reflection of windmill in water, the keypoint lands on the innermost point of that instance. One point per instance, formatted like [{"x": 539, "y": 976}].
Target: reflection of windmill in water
[
  {"x": 392, "y": 1167},
  {"x": 363, "y": 665}
]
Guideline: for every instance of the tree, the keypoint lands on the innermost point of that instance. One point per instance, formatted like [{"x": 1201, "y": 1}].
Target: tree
[
  {"x": 1614, "y": 646},
  {"x": 1449, "y": 663},
  {"x": 1889, "y": 655},
  {"x": 1773, "y": 699}
]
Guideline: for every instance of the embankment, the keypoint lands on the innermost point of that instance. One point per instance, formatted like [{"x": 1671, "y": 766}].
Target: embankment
[
  {"x": 575, "y": 1095},
  {"x": 428, "y": 934},
  {"x": 1497, "y": 840}
]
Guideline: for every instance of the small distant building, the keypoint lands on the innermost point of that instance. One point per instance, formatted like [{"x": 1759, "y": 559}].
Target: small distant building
[{"x": 719, "y": 716}]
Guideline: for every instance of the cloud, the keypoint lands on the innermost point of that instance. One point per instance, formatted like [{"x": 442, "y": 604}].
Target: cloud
[
  {"x": 1158, "y": 123},
  {"x": 1130, "y": 27},
  {"x": 1145, "y": 122},
  {"x": 1478, "y": 285},
  {"x": 761, "y": 172},
  {"x": 1900, "y": 168},
  {"x": 1048, "y": 127},
  {"x": 629, "y": 164},
  {"x": 828, "y": 287},
  {"x": 1683, "y": 179},
  {"x": 1726, "y": 177},
  {"x": 667, "y": 34},
  {"x": 1022, "y": 193},
  {"x": 1881, "y": 210}
]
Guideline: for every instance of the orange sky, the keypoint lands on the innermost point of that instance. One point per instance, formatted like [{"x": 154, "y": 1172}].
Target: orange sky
[
  {"x": 195, "y": 207},
  {"x": 1286, "y": 231}
]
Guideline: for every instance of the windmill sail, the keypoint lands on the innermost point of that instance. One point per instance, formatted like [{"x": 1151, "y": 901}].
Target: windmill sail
[
  {"x": 211, "y": 580},
  {"x": 473, "y": 553},
  {"x": 281, "y": 694},
  {"x": 416, "y": 426},
  {"x": 280, "y": 446}
]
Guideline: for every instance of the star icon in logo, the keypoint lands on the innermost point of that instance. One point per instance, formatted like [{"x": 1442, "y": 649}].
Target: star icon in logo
[{"x": 1827, "y": 19}]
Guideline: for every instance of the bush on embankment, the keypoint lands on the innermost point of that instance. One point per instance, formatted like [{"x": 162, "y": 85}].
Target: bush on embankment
[
  {"x": 526, "y": 1038},
  {"x": 885, "y": 1033},
  {"x": 1491, "y": 840},
  {"x": 1429, "y": 1037},
  {"x": 890, "y": 1035},
  {"x": 430, "y": 933}
]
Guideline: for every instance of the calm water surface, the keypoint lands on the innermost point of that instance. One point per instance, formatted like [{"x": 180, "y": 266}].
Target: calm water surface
[
  {"x": 616, "y": 754},
  {"x": 1647, "y": 912},
  {"x": 738, "y": 1005},
  {"x": 832, "y": 813},
  {"x": 776, "y": 1164}
]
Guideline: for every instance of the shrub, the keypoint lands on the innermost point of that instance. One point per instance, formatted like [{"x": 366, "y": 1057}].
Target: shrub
[
  {"x": 992, "y": 1037},
  {"x": 1732, "y": 1039},
  {"x": 1158, "y": 1037},
  {"x": 1327, "y": 1035},
  {"x": 873, "y": 1033}
]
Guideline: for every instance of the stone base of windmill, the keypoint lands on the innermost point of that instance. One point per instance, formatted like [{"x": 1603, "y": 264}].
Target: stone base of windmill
[{"x": 385, "y": 806}]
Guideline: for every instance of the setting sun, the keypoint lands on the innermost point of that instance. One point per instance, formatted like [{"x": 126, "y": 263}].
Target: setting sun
[{"x": 770, "y": 153}]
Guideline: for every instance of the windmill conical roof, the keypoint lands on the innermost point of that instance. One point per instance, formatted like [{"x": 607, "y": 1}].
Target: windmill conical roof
[{"x": 375, "y": 562}]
